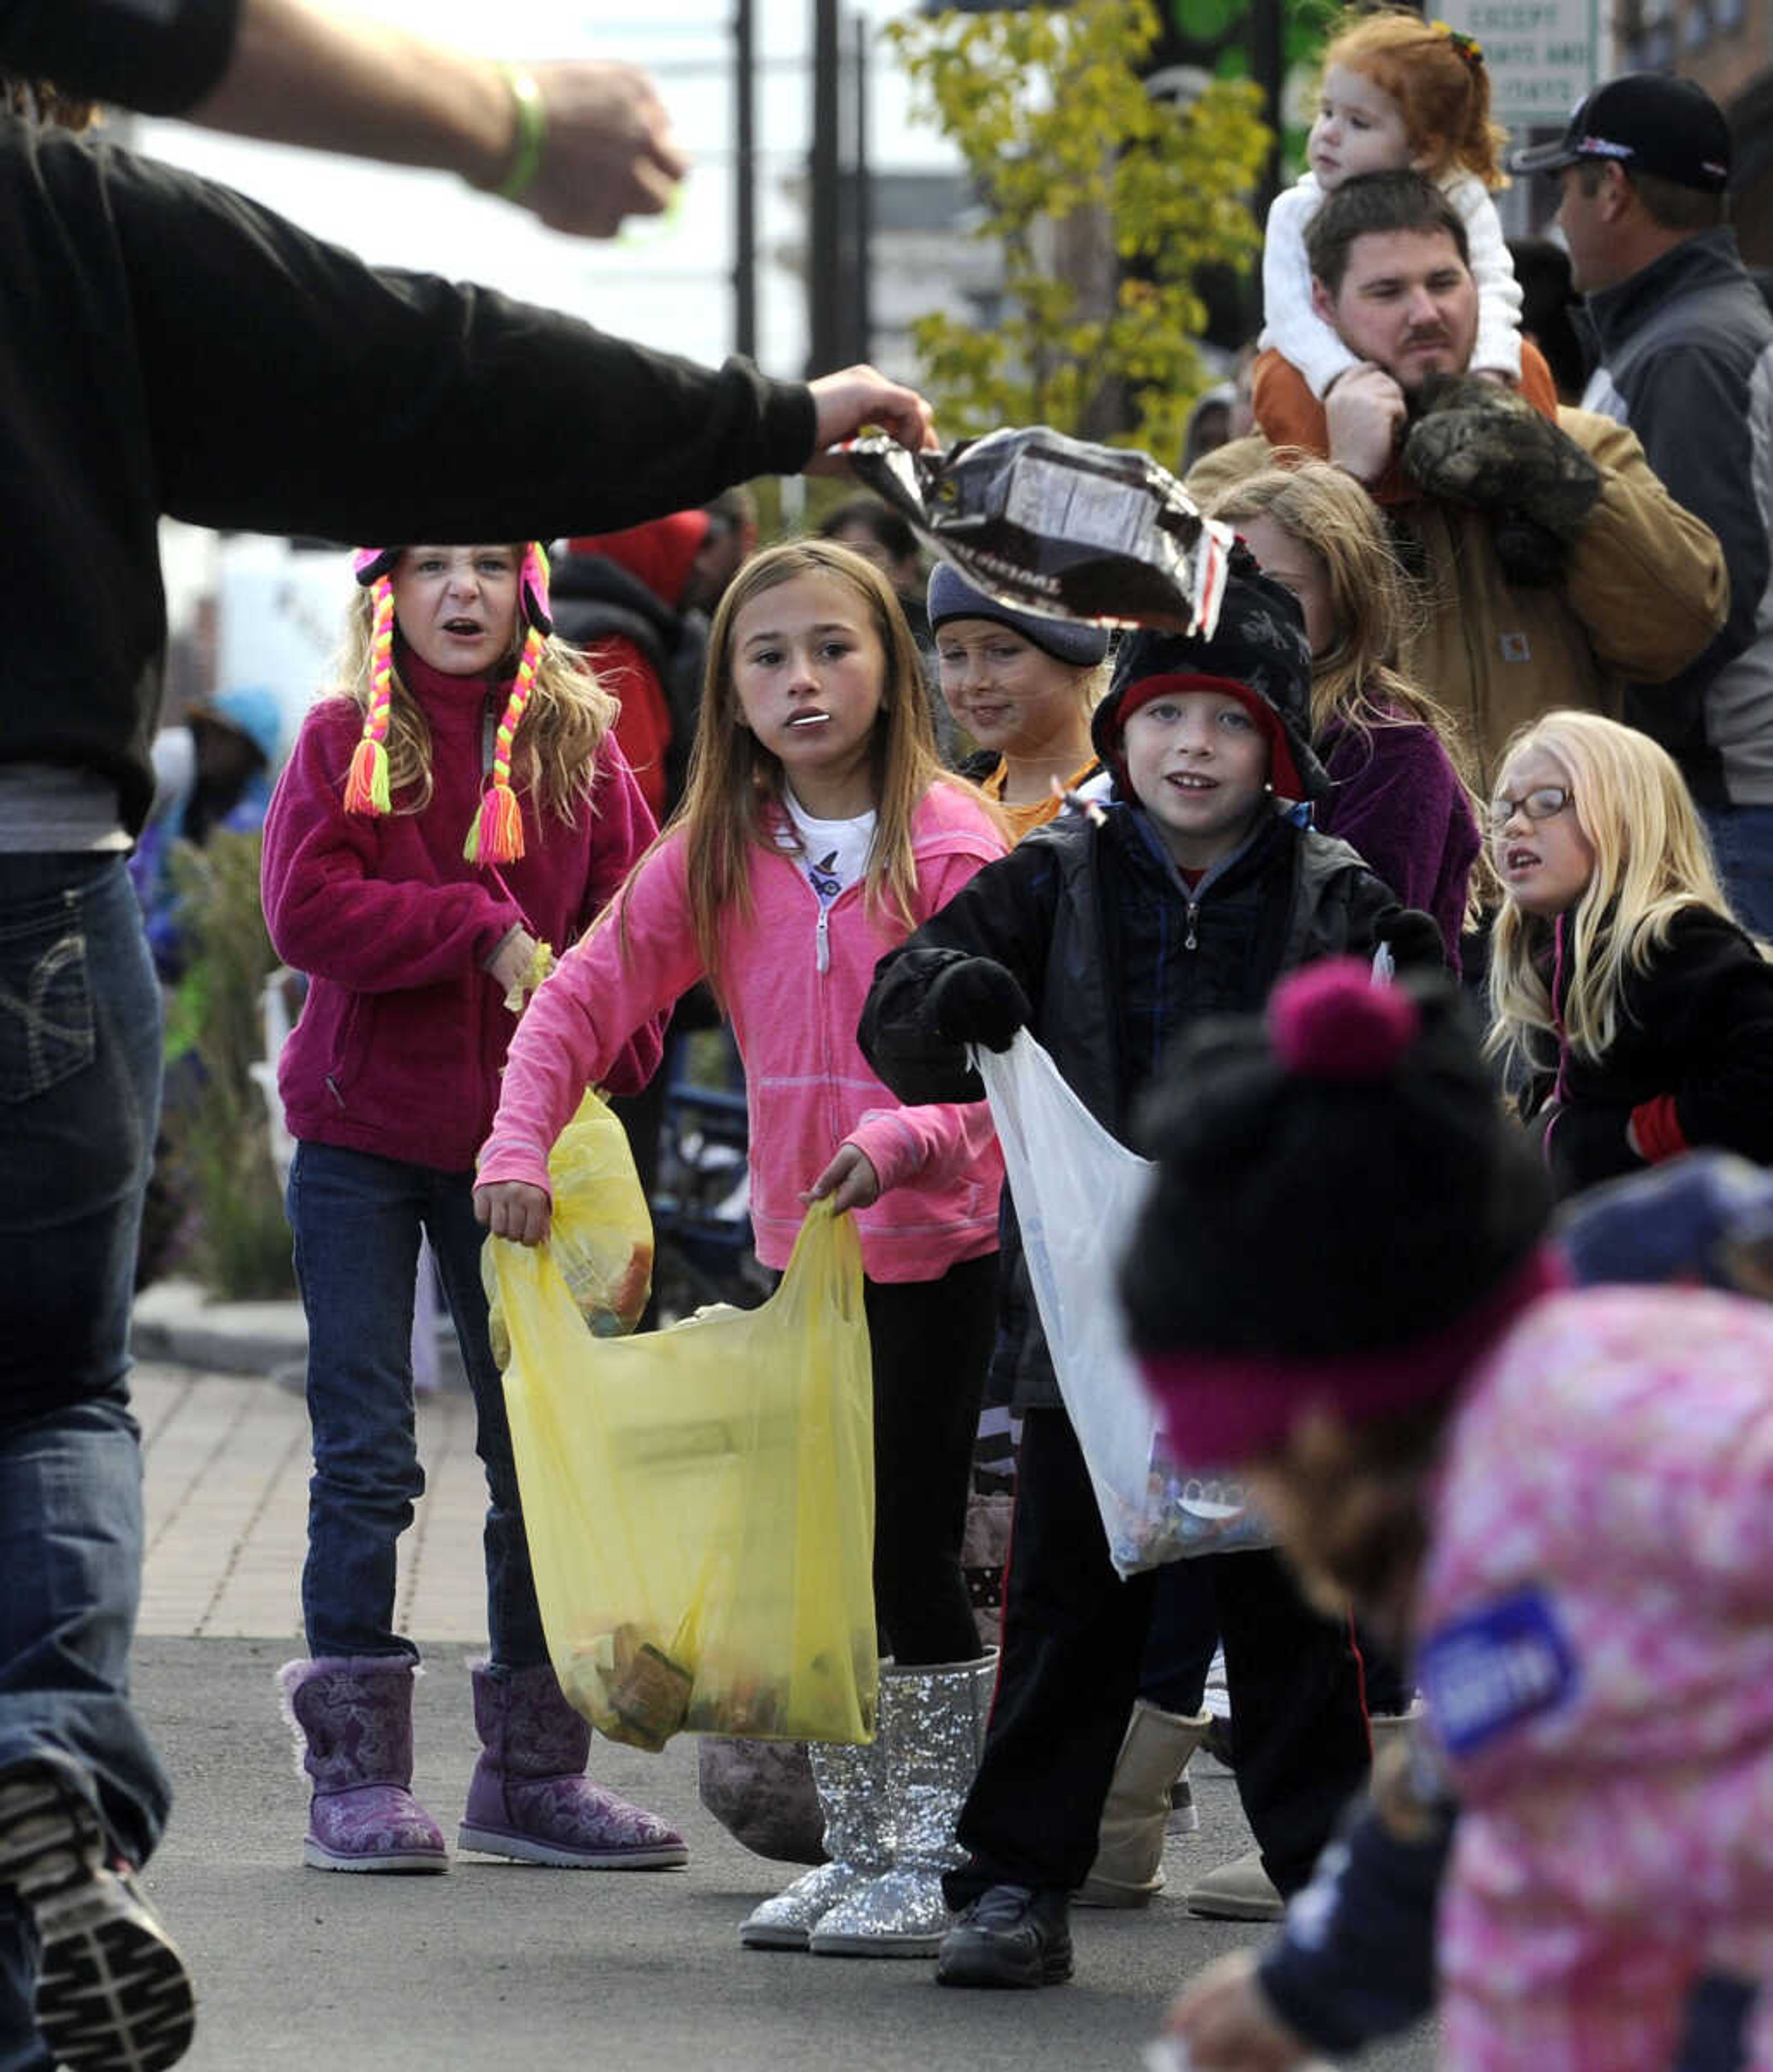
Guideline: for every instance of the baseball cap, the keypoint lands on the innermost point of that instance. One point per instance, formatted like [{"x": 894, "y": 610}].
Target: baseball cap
[{"x": 1648, "y": 122}]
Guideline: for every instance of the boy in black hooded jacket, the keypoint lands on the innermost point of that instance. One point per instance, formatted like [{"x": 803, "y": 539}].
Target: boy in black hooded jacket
[{"x": 1190, "y": 895}]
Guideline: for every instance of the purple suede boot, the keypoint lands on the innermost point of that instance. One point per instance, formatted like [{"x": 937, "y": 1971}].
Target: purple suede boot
[
  {"x": 530, "y": 1799},
  {"x": 353, "y": 1716}
]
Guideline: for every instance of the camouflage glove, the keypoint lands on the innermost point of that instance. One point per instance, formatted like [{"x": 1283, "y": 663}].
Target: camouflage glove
[{"x": 1478, "y": 444}]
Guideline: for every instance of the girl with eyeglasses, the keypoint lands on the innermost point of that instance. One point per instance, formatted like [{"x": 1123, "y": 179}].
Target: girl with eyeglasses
[{"x": 1632, "y": 1009}]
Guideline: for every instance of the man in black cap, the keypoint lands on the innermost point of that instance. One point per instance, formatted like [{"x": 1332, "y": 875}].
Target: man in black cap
[{"x": 1685, "y": 347}]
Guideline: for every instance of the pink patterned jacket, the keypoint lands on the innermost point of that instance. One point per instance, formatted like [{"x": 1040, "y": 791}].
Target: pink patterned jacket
[{"x": 1595, "y": 1641}]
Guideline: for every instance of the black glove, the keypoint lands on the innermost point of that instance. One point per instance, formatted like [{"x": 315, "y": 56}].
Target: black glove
[
  {"x": 1478, "y": 445},
  {"x": 1413, "y": 939},
  {"x": 975, "y": 1000}
]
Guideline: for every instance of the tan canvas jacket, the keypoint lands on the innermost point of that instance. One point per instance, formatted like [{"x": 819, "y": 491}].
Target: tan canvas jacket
[{"x": 1644, "y": 591}]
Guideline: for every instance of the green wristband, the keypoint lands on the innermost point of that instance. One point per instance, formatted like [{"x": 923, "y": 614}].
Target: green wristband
[{"x": 532, "y": 113}]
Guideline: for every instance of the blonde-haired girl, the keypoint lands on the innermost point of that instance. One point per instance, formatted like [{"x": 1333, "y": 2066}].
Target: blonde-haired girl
[
  {"x": 1620, "y": 985},
  {"x": 564, "y": 712},
  {"x": 1023, "y": 688},
  {"x": 459, "y": 798},
  {"x": 1397, "y": 93},
  {"x": 818, "y": 829},
  {"x": 1401, "y": 793}
]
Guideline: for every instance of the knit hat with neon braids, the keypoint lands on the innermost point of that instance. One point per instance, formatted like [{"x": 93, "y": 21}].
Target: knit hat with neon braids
[{"x": 496, "y": 834}]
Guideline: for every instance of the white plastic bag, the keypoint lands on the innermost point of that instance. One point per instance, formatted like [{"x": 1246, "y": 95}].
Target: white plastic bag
[{"x": 1077, "y": 1192}]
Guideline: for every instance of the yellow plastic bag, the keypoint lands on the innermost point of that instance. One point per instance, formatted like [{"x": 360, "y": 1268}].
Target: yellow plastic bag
[
  {"x": 700, "y": 1501},
  {"x": 601, "y": 1233}
]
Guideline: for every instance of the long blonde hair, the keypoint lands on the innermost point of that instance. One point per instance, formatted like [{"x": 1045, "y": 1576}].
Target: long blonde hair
[
  {"x": 1651, "y": 860},
  {"x": 1377, "y": 609},
  {"x": 732, "y": 802},
  {"x": 553, "y": 754}
]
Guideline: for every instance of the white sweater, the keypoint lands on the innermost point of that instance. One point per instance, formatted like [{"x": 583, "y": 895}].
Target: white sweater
[{"x": 1297, "y": 333}]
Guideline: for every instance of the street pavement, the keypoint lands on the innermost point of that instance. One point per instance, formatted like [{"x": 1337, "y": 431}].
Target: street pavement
[{"x": 549, "y": 1969}]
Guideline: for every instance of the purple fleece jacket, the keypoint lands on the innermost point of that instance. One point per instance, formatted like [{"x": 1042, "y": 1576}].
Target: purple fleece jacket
[
  {"x": 403, "y": 1034},
  {"x": 1398, "y": 800}
]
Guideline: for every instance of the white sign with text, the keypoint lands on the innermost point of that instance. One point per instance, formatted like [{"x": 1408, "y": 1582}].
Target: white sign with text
[{"x": 1543, "y": 55}]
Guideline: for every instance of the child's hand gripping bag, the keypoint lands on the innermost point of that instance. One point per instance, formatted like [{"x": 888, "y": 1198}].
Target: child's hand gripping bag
[
  {"x": 700, "y": 1500},
  {"x": 1076, "y": 1191},
  {"x": 601, "y": 1232}
]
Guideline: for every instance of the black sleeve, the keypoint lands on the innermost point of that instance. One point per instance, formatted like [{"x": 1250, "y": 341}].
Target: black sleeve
[
  {"x": 1004, "y": 912},
  {"x": 156, "y": 56},
  {"x": 291, "y": 388},
  {"x": 1376, "y": 916},
  {"x": 1722, "y": 990},
  {"x": 1356, "y": 1960}
]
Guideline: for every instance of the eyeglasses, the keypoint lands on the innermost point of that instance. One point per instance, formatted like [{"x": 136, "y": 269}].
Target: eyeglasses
[{"x": 1543, "y": 803}]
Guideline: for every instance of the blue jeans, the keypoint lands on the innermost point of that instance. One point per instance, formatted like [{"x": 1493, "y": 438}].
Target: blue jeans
[
  {"x": 1741, "y": 839},
  {"x": 79, "y": 1080},
  {"x": 357, "y": 1219}
]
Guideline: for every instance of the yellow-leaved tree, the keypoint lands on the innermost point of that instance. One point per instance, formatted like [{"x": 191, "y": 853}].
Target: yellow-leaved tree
[{"x": 1105, "y": 203}]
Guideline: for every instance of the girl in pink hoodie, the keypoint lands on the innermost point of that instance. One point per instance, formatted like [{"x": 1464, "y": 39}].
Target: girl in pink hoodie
[
  {"x": 458, "y": 799},
  {"x": 817, "y": 832}
]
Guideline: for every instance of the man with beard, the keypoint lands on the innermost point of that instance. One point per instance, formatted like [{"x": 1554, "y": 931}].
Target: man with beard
[{"x": 1556, "y": 566}]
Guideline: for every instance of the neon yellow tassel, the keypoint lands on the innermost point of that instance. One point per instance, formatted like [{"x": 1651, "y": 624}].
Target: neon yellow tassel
[
  {"x": 497, "y": 834},
  {"x": 365, "y": 787}
]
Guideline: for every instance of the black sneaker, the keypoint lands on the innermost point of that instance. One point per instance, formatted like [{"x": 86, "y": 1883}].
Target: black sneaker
[
  {"x": 1011, "y": 1935},
  {"x": 113, "y": 1994}
]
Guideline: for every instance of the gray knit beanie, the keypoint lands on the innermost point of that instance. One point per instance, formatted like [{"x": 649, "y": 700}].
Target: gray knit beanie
[{"x": 1070, "y": 640}]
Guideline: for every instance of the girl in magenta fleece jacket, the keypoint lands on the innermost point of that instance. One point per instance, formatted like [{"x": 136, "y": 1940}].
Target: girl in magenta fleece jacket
[
  {"x": 460, "y": 798},
  {"x": 817, "y": 832}
]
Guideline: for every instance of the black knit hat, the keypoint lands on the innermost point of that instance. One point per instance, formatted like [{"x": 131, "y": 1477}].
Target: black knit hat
[
  {"x": 1336, "y": 1183},
  {"x": 1258, "y": 643}
]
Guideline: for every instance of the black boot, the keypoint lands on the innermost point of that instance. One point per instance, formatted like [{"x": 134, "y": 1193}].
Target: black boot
[{"x": 1010, "y": 1935}]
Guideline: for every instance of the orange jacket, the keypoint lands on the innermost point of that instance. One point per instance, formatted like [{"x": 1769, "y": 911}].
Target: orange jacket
[{"x": 1290, "y": 415}]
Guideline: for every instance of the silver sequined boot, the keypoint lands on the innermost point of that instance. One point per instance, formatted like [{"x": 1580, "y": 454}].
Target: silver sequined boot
[
  {"x": 933, "y": 1724},
  {"x": 851, "y": 1785}
]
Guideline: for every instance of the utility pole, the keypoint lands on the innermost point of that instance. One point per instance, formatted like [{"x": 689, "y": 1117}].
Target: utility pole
[
  {"x": 824, "y": 199},
  {"x": 745, "y": 181},
  {"x": 1268, "y": 68},
  {"x": 861, "y": 189}
]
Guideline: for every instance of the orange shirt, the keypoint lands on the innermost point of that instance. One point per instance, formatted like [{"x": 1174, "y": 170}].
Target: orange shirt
[
  {"x": 1024, "y": 819},
  {"x": 1290, "y": 415}
]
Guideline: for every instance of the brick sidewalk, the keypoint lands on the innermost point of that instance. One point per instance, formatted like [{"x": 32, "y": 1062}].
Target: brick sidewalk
[{"x": 226, "y": 1464}]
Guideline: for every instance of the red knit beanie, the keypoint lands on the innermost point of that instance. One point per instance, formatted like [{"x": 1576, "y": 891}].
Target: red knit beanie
[{"x": 1283, "y": 772}]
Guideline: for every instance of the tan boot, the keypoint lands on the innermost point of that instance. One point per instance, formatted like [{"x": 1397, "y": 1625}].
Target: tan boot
[
  {"x": 1240, "y": 1891},
  {"x": 1136, "y": 1815},
  {"x": 1393, "y": 1730}
]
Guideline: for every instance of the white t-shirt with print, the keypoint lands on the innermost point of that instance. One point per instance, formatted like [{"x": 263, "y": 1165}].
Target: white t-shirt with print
[{"x": 836, "y": 852}]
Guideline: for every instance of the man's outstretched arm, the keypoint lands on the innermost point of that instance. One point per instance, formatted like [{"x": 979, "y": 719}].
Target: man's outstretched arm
[{"x": 582, "y": 143}]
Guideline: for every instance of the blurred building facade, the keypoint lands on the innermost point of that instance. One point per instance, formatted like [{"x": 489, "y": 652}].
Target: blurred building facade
[{"x": 1727, "y": 47}]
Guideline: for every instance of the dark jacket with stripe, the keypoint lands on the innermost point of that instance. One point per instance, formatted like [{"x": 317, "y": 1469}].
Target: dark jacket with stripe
[{"x": 1118, "y": 960}]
